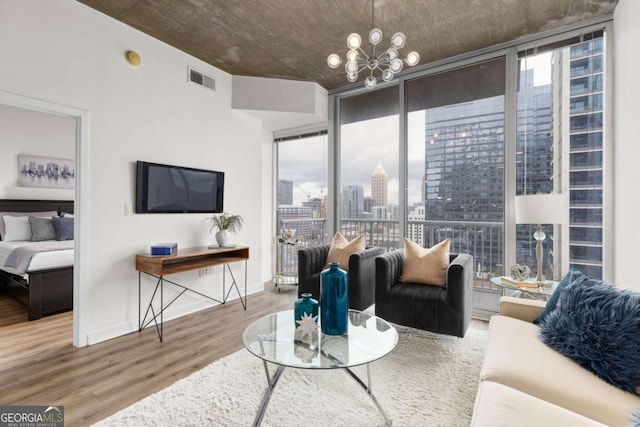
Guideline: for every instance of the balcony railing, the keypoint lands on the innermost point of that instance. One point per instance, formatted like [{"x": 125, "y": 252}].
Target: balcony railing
[{"x": 483, "y": 240}]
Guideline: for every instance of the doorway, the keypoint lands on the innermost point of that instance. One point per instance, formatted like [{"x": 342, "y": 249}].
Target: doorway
[{"x": 81, "y": 197}]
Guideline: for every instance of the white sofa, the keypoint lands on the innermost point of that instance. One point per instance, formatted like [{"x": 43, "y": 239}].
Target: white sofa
[{"x": 523, "y": 382}]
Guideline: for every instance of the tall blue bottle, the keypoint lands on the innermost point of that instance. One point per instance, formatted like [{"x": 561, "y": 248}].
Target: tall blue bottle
[{"x": 334, "y": 300}]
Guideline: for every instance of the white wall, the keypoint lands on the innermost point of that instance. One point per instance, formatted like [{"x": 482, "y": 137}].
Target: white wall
[
  {"x": 626, "y": 105},
  {"x": 63, "y": 52},
  {"x": 34, "y": 133}
]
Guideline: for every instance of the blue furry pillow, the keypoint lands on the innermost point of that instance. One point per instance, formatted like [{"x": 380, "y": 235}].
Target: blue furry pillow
[
  {"x": 553, "y": 300},
  {"x": 598, "y": 326}
]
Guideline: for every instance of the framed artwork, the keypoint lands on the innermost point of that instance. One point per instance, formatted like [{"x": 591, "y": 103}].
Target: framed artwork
[{"x": 46, "y": 172}]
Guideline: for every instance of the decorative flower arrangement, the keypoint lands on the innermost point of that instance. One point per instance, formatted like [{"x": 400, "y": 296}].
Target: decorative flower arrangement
[
  {"x": 225, "y": 223},
  {"x": 287, "y": 237}
]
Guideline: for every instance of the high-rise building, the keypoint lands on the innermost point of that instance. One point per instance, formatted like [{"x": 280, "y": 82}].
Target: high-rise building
[
  {"x": 352, "y": 201},
  {"x": 285, "y": 192},
  {"x": 582, "y": 83},
  {"x": 380, "y": 212},
  {"x": 379, "y": 186},
  {"x": 316, "y": 206},
  {"x": 423, "y": 189},
  {"x": 291, "y": 217},
  {"x": 464, "y": 168},
  {"x": 368, "y": 204},
  {"x": 415, "y": 231}
]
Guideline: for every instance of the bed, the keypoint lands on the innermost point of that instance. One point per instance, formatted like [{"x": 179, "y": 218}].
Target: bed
[{"x": 46, "y": 287}]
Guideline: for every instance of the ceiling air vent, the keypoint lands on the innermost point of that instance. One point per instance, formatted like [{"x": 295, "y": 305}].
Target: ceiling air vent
[{"x": 201, "y": 79}]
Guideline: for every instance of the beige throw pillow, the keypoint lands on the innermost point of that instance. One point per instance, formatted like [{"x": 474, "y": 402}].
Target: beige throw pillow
[
  {"x": 425, "y": 265},
  {"x": 341, "y": 249}
]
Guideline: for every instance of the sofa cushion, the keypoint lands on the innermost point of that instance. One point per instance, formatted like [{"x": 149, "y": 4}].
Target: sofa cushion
[
  {"x": 497, "y": 405},
  {"x": 598, "y": 326},
  {"x": 516, "y": 357},
  {"x": 341, "y": 249},
  {"x": 425, "y": 265}
]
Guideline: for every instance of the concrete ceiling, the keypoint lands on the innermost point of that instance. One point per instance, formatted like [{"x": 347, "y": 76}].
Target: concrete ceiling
[{"x": 291, "y": 39}]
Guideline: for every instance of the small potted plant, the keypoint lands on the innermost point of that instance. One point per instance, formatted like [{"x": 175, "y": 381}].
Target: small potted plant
[{"x": 225, "y": 223}]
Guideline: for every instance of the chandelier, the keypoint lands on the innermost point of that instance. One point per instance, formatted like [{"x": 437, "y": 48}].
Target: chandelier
[{"x": 387, "y": 62}]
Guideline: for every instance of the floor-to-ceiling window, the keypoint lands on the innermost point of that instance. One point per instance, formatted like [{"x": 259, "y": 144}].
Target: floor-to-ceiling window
[
  {"x": 560, "y": 136},
  {"x": 301, "y": 196},
  {"x": 455, "y": 162},
  {"x": 368, "y": 174}
]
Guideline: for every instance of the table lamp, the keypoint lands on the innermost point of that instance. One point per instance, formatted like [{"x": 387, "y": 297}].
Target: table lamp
[{"x": 540, "y": 209}]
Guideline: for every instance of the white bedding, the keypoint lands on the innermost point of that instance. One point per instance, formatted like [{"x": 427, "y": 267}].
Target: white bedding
[{"x": 40, "y": 261}]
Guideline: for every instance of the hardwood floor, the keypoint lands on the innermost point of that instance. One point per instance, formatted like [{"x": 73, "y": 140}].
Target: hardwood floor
[{"x": 40, "y": 366}]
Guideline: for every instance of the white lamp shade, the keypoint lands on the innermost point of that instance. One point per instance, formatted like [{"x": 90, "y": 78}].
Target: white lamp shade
[{"x": 541, "y": 209}]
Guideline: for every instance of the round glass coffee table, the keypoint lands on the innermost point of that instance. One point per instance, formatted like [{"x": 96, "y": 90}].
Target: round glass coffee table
[{"x": 276, "y": 339}]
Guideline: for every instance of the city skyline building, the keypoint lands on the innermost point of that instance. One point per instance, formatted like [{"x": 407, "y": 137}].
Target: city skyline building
[
  {"x": 379, "y": 187},
  {"x": 368, "y": 204},
  {"x": 352, "y": 201},
  {"x": 583, "y": 86},
  {"x": 293, "y": 217},
  {"x": 415, "y": 229},
  {"x": 284, "y": 192}
]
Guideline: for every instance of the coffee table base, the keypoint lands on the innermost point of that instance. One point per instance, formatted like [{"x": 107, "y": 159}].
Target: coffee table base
[{"x": 280, "y": 369}]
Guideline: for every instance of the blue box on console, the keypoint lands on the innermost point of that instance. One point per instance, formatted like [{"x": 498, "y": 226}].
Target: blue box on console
[{"x": 164, "y": 249}]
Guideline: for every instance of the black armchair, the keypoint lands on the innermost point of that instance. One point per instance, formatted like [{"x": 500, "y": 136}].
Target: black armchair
[
  {"x": 311, "y": 262},
  {"x": 443, "y": 310}
]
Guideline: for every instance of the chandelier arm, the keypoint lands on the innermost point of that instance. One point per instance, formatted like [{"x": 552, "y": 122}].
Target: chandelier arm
[{"x": 363, "y": 52}]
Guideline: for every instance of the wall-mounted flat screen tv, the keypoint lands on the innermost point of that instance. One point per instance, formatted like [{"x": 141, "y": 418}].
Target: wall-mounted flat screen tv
[{"x": 175, "y": 189}]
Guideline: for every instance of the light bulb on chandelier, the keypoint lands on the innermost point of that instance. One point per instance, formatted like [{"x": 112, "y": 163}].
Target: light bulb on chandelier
[{"x": 388, "y": 62}]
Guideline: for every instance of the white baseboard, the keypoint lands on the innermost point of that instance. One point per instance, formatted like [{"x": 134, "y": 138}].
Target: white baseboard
[{"x": 131, "y": 325}]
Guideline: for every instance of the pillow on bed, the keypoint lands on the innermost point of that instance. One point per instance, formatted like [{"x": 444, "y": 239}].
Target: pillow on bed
[
  {"x": 17, "y": 228},
  {"x": 45, "y": 214},
  {"x": 63, "y": 227},
  {"x": 42, "y": 229}
]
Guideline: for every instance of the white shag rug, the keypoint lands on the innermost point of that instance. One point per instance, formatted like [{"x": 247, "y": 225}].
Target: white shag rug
[{"x": 428, "y": 380}]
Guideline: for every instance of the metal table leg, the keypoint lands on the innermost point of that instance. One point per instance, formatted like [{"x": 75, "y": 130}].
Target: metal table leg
[
  {"x": 367, "y": 388},
  {"x": 268, "y": 392}
]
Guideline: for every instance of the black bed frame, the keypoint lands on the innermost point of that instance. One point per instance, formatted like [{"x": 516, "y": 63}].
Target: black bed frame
[{"x": 47, "y": 291}]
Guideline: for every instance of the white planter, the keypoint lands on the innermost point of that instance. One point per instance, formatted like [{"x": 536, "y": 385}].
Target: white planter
[{"x": 222, "y": 237}]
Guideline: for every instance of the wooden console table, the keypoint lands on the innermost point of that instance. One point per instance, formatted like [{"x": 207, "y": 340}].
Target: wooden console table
[{"x": 186, "y": 260}]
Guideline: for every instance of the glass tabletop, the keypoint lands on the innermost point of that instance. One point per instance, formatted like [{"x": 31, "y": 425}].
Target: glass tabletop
[
  {"x": 276, "y": 339},
  {"x": 546, "y": 287}
]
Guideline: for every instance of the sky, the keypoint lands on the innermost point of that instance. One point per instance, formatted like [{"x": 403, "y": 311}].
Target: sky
[{"x": 366, "y": 143}]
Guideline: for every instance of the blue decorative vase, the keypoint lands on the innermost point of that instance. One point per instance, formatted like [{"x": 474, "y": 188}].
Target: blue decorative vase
[
  {"x": 307, "y": 305},
  {"x": 334, "y": 300}
]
